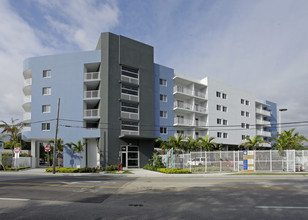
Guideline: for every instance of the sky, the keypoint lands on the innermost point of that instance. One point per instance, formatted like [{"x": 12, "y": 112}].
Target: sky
[{"x": 260, "y": 46}]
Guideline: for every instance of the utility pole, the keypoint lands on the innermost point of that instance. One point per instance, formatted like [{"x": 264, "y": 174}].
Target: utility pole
[{"x": 55, "y": 145}]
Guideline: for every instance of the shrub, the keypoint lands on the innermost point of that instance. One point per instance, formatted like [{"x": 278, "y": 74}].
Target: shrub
[
  {"x": 25, "y": 155},
  {"x": 63, "y": 170},
  {"x": 111, "y": 168},
  {"x": 172, "y": 171}
]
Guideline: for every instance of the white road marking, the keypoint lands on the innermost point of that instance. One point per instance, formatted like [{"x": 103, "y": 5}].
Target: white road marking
[
  {"x": 281, "y": 207},
  {"x": 14, "y": 199}
]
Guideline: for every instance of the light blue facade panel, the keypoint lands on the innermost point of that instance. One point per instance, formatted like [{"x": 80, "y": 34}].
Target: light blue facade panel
[
  {"x": 162, "y": 72},
  {"x": 273, "y": 118}
]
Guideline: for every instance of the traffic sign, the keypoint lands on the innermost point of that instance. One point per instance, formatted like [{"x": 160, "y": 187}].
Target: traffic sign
[
  {"x": 47, "y": 148},
  {"x": 16, "y": 150}
]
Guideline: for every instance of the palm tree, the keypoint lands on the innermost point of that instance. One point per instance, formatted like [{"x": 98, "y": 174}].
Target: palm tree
[
  {"x": 13, "y": 131},
  {"x": 252, "y": 143},
  {"x": 288, "y": 140},
  {"x": 77, "y": 148},
  {"x": 165, "y": 145},
  {"x": 191, "y": 144},
  {"x": 176, "y": 143},
  {"x": 59, "y": 147},
  {"x": 206, "y": 143}
]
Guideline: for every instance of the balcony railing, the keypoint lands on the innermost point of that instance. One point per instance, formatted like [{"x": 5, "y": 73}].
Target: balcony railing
[
  {"x": 129, "y": 115},
  {"x": 183, "y": 122},
  {"x": 88, "y": 113},
  {"x": 181, "y": 105},
  {"x": 263, "y": 133},
  {"x": 263, "y": 112},
  {"x": 263, "y": 122},
  {"x": 91, "y": 94},
  {"x": 200, "y": 109},
  {"x": 130, "y": 79},
  {"x": 128, "y": 132},
  {"x": 27, "y": 98},
  {"x": 200, "y": 123},
  {"x": 27, "y": 116},
  {"x": 186, "y": 91},
  {"x": 28, "y": 82},
  {"x": 91, "y": 76}
]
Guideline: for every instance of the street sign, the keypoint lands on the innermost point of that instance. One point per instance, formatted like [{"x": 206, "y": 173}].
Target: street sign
[
  {"x": 47, "y": 148},
  {"x": 16, "y": 150}
]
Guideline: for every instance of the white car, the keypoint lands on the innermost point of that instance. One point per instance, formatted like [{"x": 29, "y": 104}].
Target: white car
[{"x": 198, "y": 161}]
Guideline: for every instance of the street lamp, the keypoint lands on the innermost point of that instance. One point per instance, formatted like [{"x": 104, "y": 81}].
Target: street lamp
[{"x": 279, "y": 118}]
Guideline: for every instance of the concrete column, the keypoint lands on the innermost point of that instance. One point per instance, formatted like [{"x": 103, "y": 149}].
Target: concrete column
[{"x": 34, "y": 154}]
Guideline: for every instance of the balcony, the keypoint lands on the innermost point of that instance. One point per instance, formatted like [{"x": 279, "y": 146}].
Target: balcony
[
  {"x": 91, "y": 113},
  {"x": 264, "y": 133},
  {"x": 27, "y": 98},
  {"x": 263, "y": 122},
  {"x": 91, "y": 76},
  {"x": 200, "y": 109},
  {"x": 200, "y": 124},
  {"x": 183, "y": 122},
  {"x": 27, "y": 116},
  {"x": 28, "y": 82},
  {"x": 129, "y": 115},
  {"x": 129, "y": 132},
  {"x": 184, "y": 106},
  {"x": 131, "y": 80},
  {"x": 92, "y": 94},
  {"x": 128, "y": 97},
  {"x": 263, "y": 112},
  {"x": 188, "y": 92}
]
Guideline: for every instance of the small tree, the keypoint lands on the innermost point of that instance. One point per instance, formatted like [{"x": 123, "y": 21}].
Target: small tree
[
  {"x": 77, "y": 148},
  {"x": 206, "y": 143},
  {"x": 254, "y": 143},
  {"x": 59, "y": 147}
]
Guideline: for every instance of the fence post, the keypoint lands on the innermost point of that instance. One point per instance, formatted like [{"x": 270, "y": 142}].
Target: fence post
[
  {"x": 254, "y": 160},
  {"x": 190, "y": 161},
  {"x": 233, "y": 160},
  {"x": 271, "y": 162},
  {"x": 238, "y": 161},
  {"x": 287, "y": 160},
  {"x": 294, "y": 169},
  {"x": 220, "y": 160},
  {"x": 205, "y": 160}
]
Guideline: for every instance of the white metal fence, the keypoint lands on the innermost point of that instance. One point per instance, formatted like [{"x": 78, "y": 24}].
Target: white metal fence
[{"x": 232, "y": 161}]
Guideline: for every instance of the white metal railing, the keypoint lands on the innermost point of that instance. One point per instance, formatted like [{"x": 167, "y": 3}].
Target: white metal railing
[
  {"x": 263, "y": 122},
  {"x": 128, "y": 132},
  {"x": 26, "y": 128},
  {"x": 91, "y": 94},
  {"x": 200, "y": 109},
  {"x": 182, "y": 121},
  {"x": 264, "y": 133},
  {"x": 91, "y": 113},
  {"x": 129, "y": 115},
  {"x": 200, "y": 123},
  {"x": 186, "y": 91},
  {"x": 27, "y": 116},
  {"x": 263, "y": 112},
  {"x": 27, "y": 98},
  {"x": 130, "y": 79},
  {"x": 183, "y": 105},
  {"x": 185, "y": 135},
  {"x": 91, "y": 76},
  {"x": 28, "y": 82}
]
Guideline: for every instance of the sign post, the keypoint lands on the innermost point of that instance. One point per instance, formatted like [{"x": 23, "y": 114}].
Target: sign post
[
  {"x": 47, "y": 149},
  {"x": 16, "y": 151},
  {"x": 248, "y": 161}
]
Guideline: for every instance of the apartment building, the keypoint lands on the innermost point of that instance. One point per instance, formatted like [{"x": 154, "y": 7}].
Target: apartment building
[{"x": 118, "y": 101}]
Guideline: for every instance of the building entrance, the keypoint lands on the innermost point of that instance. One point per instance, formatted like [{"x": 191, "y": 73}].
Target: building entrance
[{"x": 130, "y": 156}]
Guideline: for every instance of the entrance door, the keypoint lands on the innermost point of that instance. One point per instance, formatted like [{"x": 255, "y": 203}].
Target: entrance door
[{"x": 123, "y": 159}]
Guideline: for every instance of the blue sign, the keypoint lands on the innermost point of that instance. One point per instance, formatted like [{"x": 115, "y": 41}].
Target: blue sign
[{"x": 245, "y": 164}]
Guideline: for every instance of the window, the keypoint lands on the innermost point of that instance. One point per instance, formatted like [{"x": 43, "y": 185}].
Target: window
[
  {"x": 243, "y": 137},
  {"x": 225, "y": 122},
  {"x": 225, "y": 135},
  {"x": 247, "y": 126},
  {"x": 218, "y": 107},
  {"x": 46, "y": 91},
  {"x": 247, "y": 102},
  {"x": 129, "y": 107},
  {"x": 224, "y": 109},
  {"x": 163, "y": 98},
  {"x": 163, "y": 130},
  {"x": 163, "y": 82},
  {"x": 46, "y": 73},
  {"x": 218, "y": 94},
  {"x": 247, "y": 114},
  {"x": 219, "y": 121},
  {"x": 130, "y": 89},
  {"x": 242, "y": 113},
  {"x": 243, "y": 125},
  {"x": 219, "y": 134},
  {"x": 163, "y": 114},
  {"x": 224, "y": 96},
  {"x": 130, "y": 125},
  {"x": 46, "y": 108},
  {"x": 242, "y": 101},
  {"x": 45, "y": 126},
  {"x": 130, "y": 72}
]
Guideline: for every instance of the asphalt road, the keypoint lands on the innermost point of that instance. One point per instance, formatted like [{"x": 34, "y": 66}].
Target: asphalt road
[{"x": 161, "y": 197}]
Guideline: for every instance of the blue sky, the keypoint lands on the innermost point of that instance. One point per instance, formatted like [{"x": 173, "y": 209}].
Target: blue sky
[{"x": 260, "y": 46}]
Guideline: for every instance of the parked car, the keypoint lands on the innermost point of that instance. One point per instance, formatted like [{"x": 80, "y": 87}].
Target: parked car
[{"x": 198, "y": 161}]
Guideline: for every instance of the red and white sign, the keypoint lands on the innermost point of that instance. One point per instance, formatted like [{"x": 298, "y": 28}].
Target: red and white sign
[
  {"x": 16, "y": 150},
  {"x": 47, "y": 148}
]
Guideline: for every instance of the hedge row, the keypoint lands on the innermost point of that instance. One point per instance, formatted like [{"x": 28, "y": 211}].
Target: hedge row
[{"x": 172, "y": 171}]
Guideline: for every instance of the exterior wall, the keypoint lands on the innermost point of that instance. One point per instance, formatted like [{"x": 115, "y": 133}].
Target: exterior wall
[
  {"x": 233, "y": 114},
  {"x": 117, "y": 51},
  {"x": 66, "y": 83},
  {"x": 273, "y": 118},
  {"x": 166, "y": 73}
]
